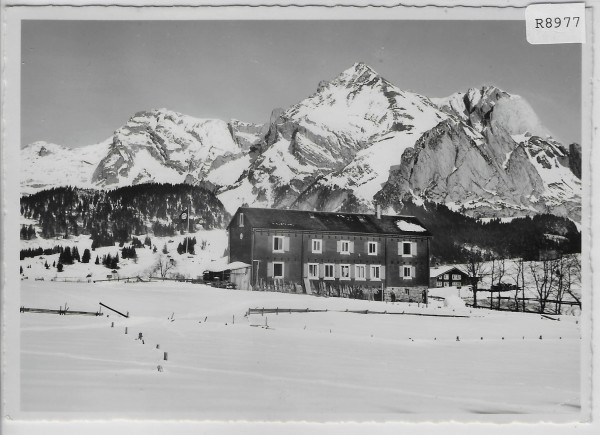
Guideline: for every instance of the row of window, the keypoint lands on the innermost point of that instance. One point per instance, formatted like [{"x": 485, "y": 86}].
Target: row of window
[
  {"x": 448, "y": 284},
  {"x": 344, "y": 247},
  {"x": 446, "y": 277},
  {"x": 330, "y": 271}
]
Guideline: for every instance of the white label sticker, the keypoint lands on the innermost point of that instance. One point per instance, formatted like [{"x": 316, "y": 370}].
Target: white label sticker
[{"x": 555, "y": 23}]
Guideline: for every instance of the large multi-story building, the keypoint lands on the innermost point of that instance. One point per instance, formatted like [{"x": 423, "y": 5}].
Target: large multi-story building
[{"x": 375, "y": 252}]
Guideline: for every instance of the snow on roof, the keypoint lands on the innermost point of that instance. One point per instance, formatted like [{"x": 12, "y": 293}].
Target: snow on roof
[
  {"x": 437, "y": 271},
  {"x": 230, "y": 266},
  {"x": 409, "y": 226},
  {"x": 331, "y": 221}
]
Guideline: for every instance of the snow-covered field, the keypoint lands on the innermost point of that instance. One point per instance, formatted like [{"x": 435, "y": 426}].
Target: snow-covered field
[
  {"x": 333, "y": 365},
  {"x": 186, "y": 265}
]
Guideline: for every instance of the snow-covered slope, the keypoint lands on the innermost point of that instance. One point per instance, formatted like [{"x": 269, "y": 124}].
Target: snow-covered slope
[
  {"x": 165, "y": 146},
  {"x": 45, "y": 165}
]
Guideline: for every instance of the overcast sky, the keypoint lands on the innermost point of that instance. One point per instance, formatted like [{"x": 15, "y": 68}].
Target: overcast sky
[{"x": 81, "y": 80}]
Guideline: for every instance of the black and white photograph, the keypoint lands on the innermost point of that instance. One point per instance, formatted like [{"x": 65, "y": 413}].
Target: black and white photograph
[{"x": 246, "y": 216}]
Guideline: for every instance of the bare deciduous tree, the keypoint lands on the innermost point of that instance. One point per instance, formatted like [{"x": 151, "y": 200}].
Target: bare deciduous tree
[
  {"x": 572, "y": 278},
  {"x": 477, "y": 269},
  {"x": 519, "y": 280},
  {"x": 163, "y": 265},
  {"x": 543, "y": 274}
]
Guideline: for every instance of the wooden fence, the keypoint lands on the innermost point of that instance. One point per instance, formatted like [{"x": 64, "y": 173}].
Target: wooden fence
[
  {"x": 277, "y": 311},
  {"x": 60, "y": 311},
  {"x": 124, "y": 279}
]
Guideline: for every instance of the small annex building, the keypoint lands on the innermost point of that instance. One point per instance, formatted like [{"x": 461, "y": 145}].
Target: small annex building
[
  {"x": 338, "y": 254},
  {"x": 448, "y": 276}
]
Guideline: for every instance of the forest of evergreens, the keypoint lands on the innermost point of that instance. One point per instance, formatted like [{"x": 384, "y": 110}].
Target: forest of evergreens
[
  {"x": 456, "y": 237},
  {"x": 116, "y": 215}
]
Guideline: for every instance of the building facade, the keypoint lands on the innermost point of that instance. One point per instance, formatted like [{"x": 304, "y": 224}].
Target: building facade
[
  {"x": 448, "y": 276},
  {"x": 386, "y": 257}
]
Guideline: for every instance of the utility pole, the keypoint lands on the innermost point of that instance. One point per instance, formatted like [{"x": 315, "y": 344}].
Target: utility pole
[{"x": 187, "y": 239}]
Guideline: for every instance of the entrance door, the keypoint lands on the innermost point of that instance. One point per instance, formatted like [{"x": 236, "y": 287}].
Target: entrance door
[{"x": 255, "y": 266}]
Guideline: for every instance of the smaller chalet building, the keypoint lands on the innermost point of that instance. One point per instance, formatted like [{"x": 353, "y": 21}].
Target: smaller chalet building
[
  {"x": 334, "y": 252},
  {"x": 448, "y": 276}
]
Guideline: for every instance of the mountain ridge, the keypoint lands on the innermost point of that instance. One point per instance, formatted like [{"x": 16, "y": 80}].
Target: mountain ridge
[{"x": 358, "y": 137}]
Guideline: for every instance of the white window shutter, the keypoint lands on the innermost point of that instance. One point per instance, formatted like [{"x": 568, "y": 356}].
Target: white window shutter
[
  {"x": 271, "y": 243},
  {"x": 336, "y": 270},
  {"x": 286, "y": 244},
  {"x": 352, "y": 247},
  {"x": 401, "y": 271},
  {"x": 413, "y": 249},
  {"x": 382, "y": 272},
  {"x": 368, "y": 271},
  {"x": 270, "y": 269},
  {"x": 400, "y": 250},
  {"x": 339, "y": 246},
  {"x": 412, "y": 271},
  {"x": 305, "y": 270},
  {"x": 367, "y": 246},
  {"x": 321, "y": 270},
  {"x": 352, "y": 271}
]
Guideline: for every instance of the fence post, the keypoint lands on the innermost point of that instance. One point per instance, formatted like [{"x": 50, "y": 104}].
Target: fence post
[
  {"x": 126, "y": 330},
  {"x": 166, "y": 356}
]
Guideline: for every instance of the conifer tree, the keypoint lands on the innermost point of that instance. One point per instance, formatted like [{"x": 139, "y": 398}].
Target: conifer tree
[
  {"x": 75, "y": 254},
  {"x": 86, "y": 256}
]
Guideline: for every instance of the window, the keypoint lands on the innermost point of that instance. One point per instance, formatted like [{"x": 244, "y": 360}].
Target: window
[
  {"x": 446, "y": 276},
  {"x": 344, "y": 247},
  {"x": 360, "y": 272},
  {"x": 241, "y": 219},
  {"x": 438, "y": 284},
  {"x": 328, "y": 271},
  {"x": 407, "y": 272},
  {"x": 407, "y": 249},
  {"x": 406, "y": 291},
  {"x": 344, "y": 271},
  {"x": 446, "y": 284},
  {"x": 313, "y": 270},
  {"x": 278, "y": 244},
  {"x": 277, "y": 270},
  {"x": 317, "y": 246},
  {"x": 456, "y": 277},
  {"x": 375, "y": 272},
  {"x": 372, "y": 248}
]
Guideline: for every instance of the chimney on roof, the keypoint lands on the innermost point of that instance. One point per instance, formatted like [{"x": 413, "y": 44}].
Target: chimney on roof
[{"x": 378, "y": 211}]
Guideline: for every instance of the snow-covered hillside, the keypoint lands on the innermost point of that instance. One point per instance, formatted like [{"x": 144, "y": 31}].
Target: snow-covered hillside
[
  {"x": 45, "y": 165},
  {"x": 483, "y": 152}
]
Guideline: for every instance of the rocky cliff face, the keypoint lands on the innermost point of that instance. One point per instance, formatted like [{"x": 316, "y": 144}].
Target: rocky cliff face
[
  {"x": 453, "y": 165},
  {"x": 357, "y": 139},
  {"x": 344, "y": 137},
  {"x": 165, "y": 146}
]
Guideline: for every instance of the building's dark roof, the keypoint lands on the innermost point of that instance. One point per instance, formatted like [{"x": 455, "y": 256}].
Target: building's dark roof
[{"x": 331, "y": 221}]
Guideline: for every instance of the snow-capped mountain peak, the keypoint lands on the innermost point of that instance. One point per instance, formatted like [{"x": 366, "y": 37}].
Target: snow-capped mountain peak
[
  {"x": 490, "y": 106},
  {"x": 358, "y": 137}
]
